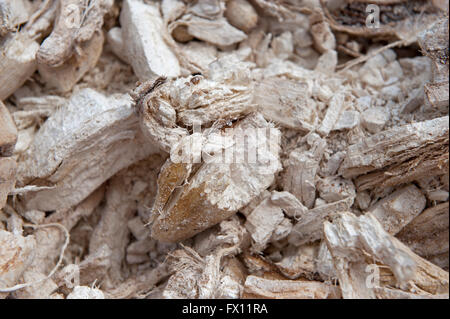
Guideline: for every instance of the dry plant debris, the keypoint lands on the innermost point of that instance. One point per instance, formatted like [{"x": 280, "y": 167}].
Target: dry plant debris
[{"x": 224, "y": 149}]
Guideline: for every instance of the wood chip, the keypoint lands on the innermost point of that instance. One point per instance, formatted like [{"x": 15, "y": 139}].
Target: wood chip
[
  {"x": 8, "y": 132},
  {"x": 348, "y": 233},
  {"x": 18, "y": 62},
  {"x": 77, "y": 154},
  {"x": 309, "y": 226},
  {"x": 285, "y": 102},
  {"x": 145, "y": 48},
  {"x": 399, "y": 155},
  {"x": 398, "y": 209},
  {"x": 8, "y": 169},
  {"x": 256, "y": 287},
  {"x": 16, "y": 255},
  {"x": 427, "y": 234},
  {"x": 208, "y": 200}
]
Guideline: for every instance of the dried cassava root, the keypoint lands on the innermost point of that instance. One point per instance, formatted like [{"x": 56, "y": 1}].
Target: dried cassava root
[
  {"x": 8, "y": 165},
  {"x": 224, "y": 149},
  {"x": 417, "y": 150},
  {"x": 190, "y": 199},
  {"x": 77, "y": 143},
  {"x": 347, "y": 234}
]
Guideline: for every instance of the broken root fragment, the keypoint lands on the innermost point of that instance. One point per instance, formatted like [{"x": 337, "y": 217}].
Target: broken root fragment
[{"x": 224, "y": 149}]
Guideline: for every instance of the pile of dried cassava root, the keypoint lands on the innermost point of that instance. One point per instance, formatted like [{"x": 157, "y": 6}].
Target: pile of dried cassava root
[{"x": 129, "y": 167}]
